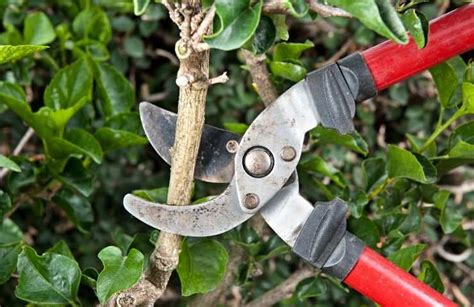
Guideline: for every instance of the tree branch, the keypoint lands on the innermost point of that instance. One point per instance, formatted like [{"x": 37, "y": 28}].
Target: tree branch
[
  {"x": 283, "y": 290},
  {"x": 193, "y": 82},
  {"x": 280, "y": 7}
]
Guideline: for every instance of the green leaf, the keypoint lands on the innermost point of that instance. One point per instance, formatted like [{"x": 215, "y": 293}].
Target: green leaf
[
  {"x": 8, "y": 259},
  {"x": 89, "y": 277},
  {"x": 139, "y": 6},
  {"x": 354, "y": 141},
  {"x": 430, "y": 276},
  {"x": 238, "y": 128},
  {"x": 237, "y": 22},
  {"x": 134, "y": 46},
  {"x": 38, "y": 29},
  {"x": 5, "y": 204},
  {"x": 9, "y": 164},
  {"x": 281, "y": 27},
  {"x": 10, "y": 53},
  {"x": 405, "y": 257},
  {"x": 116, "y": 93},
  {"x": 61, "y": 248},
  {"x": 119, "y": 273},
  {"x": 70, "y": 86},
  {"x": 289, "y": 71},
  {"x": 412, "y": 222},
  {"x": 112, "y": 139},
  {"x": 264, "y": 36},
  {"x": 358, "y": 204},
  {"x": 377, "y": 15},
  {"x": 418, "y": 26},
  {"x": 365, "y": 229},
  {"x": 77, "y": 208},
  {"x": 287, "y": 52},
  {"x": 310, "y": 287},
  {"x": 374, "y": 173},
  {"x": 313, "y": 163},
  {"x": 468, "y": 97},
  {"x": 47, "y": 279},
  {"x": 450, "y": 218},
  {"x": 158, "y": 195},
  {"x": 201, "y": 266},
  {"x": 78, "y": 143},
  {"x": 10, "y": 233},
  {"x": 448, "y": 78},
  {"x": 87, "y": 23},
  {"x": 76, "y": 176},
  {"x": 403, "y": 164}
]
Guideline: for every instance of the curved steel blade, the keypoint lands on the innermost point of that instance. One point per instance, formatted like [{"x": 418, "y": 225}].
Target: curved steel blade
[
  {"x": 213, "y": 217},
  {"x": 214, "y": 163}
]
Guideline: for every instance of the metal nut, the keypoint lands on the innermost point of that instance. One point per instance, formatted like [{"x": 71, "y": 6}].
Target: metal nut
[
  {"x": 258, "y": 162},
  {"x": 288, "y": 153},
  {"x": 232, "y": 146},
  {"x": 251, "y": 201}
]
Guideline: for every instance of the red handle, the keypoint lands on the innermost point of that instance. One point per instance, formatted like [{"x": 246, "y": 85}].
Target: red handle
[
  {"x": 449, "y": 35},
  {"x": 386, "y": 284}
]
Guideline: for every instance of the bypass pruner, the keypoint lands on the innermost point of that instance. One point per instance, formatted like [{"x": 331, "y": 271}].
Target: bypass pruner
[{"x": 260, "y": 166}]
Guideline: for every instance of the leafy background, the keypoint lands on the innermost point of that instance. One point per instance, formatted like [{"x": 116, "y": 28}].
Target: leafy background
[{"x": 65, "y": 237}]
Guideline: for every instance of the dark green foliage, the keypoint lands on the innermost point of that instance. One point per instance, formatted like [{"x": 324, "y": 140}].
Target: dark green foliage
[{"x": 73, "y": 71}]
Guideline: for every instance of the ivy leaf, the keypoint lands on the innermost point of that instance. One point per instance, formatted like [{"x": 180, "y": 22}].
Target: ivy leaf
[
  {"x": 289, "y": 71},
  {"x": 448, "y": 78},
  {"x": 10, "y": 53},
  {"x": 403, "y": 164},
  {"x": 70, "y": 86},
  {"x": 287, "y": 52},
  {"x": 116, "y": 93},
  {"x": 38, "y": 30},
  {"x": 47, "y": 279},
  {"x": 310, "y": 287},
  {"x": 405, "y": 257},
  {"x": 430, "y": 276},
  {"x": 8, "y": 259},
  {"x": 201, "y": 266},
  {"x": 264, "y": 36},
  {"x": 9, "y": 164},
  {"x": 418, "y": 26},
  {"x": 237, "y": 22},
  {"x": 119, "y": 273},
  {"x": 377, "y": 15},
  {"x": 87, "y": 23},
  {"x": 354, "y": 141},
  {"x": 10, "y": 233},
  {"x": 139, "y": 6},
  {"x": 77, "y": 208},
  {"x": 5, "y": 204},
  {"x": 450, "y": 218}
]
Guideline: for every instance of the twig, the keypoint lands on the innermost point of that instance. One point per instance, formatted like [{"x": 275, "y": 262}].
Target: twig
[
  {"x": 223, "y": 78},
  {"x": 18, "y": 149},
  {"x": 460, "y": 296},
  {"x": 283, "y": 290},
  {"x": 166, "y": 54},
  {"x": 205, "y": 24},
  {"x": 326, "y": 10},
  {"x": 336, "y": 56},
  {"x": 453, "y": 257}
]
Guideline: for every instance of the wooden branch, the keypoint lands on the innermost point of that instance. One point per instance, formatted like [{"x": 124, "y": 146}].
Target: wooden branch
[
  {"x": 280, "y": 7},
  {"x": 19, "y": 148},
  {"x": 194, "y": 69},
  {"x": 260, "y": 76},
  {"x": 283, "y": 290}
]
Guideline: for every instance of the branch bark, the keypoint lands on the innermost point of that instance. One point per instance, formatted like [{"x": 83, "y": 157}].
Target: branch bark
[
  {"x": 194, "y": 70},
  {"x": 279, "y": 7}
]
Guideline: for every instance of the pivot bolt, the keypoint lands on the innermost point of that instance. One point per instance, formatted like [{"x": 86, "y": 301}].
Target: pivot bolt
[
  {"x": 232, "y": 146},
  {"x": 251, "y": 201},
  {"x": 258, "y": 162},
  {"x": 288, "y": 153}
]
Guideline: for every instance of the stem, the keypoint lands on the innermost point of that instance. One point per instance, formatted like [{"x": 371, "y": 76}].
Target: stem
[
  {"x": 440, "y": 118},
  {"x": 440, "y": 129},
  {"x": 380, "y": 188}
]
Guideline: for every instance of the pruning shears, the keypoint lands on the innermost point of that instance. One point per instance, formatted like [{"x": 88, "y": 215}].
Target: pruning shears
[{"x": 260, "y": 166}]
